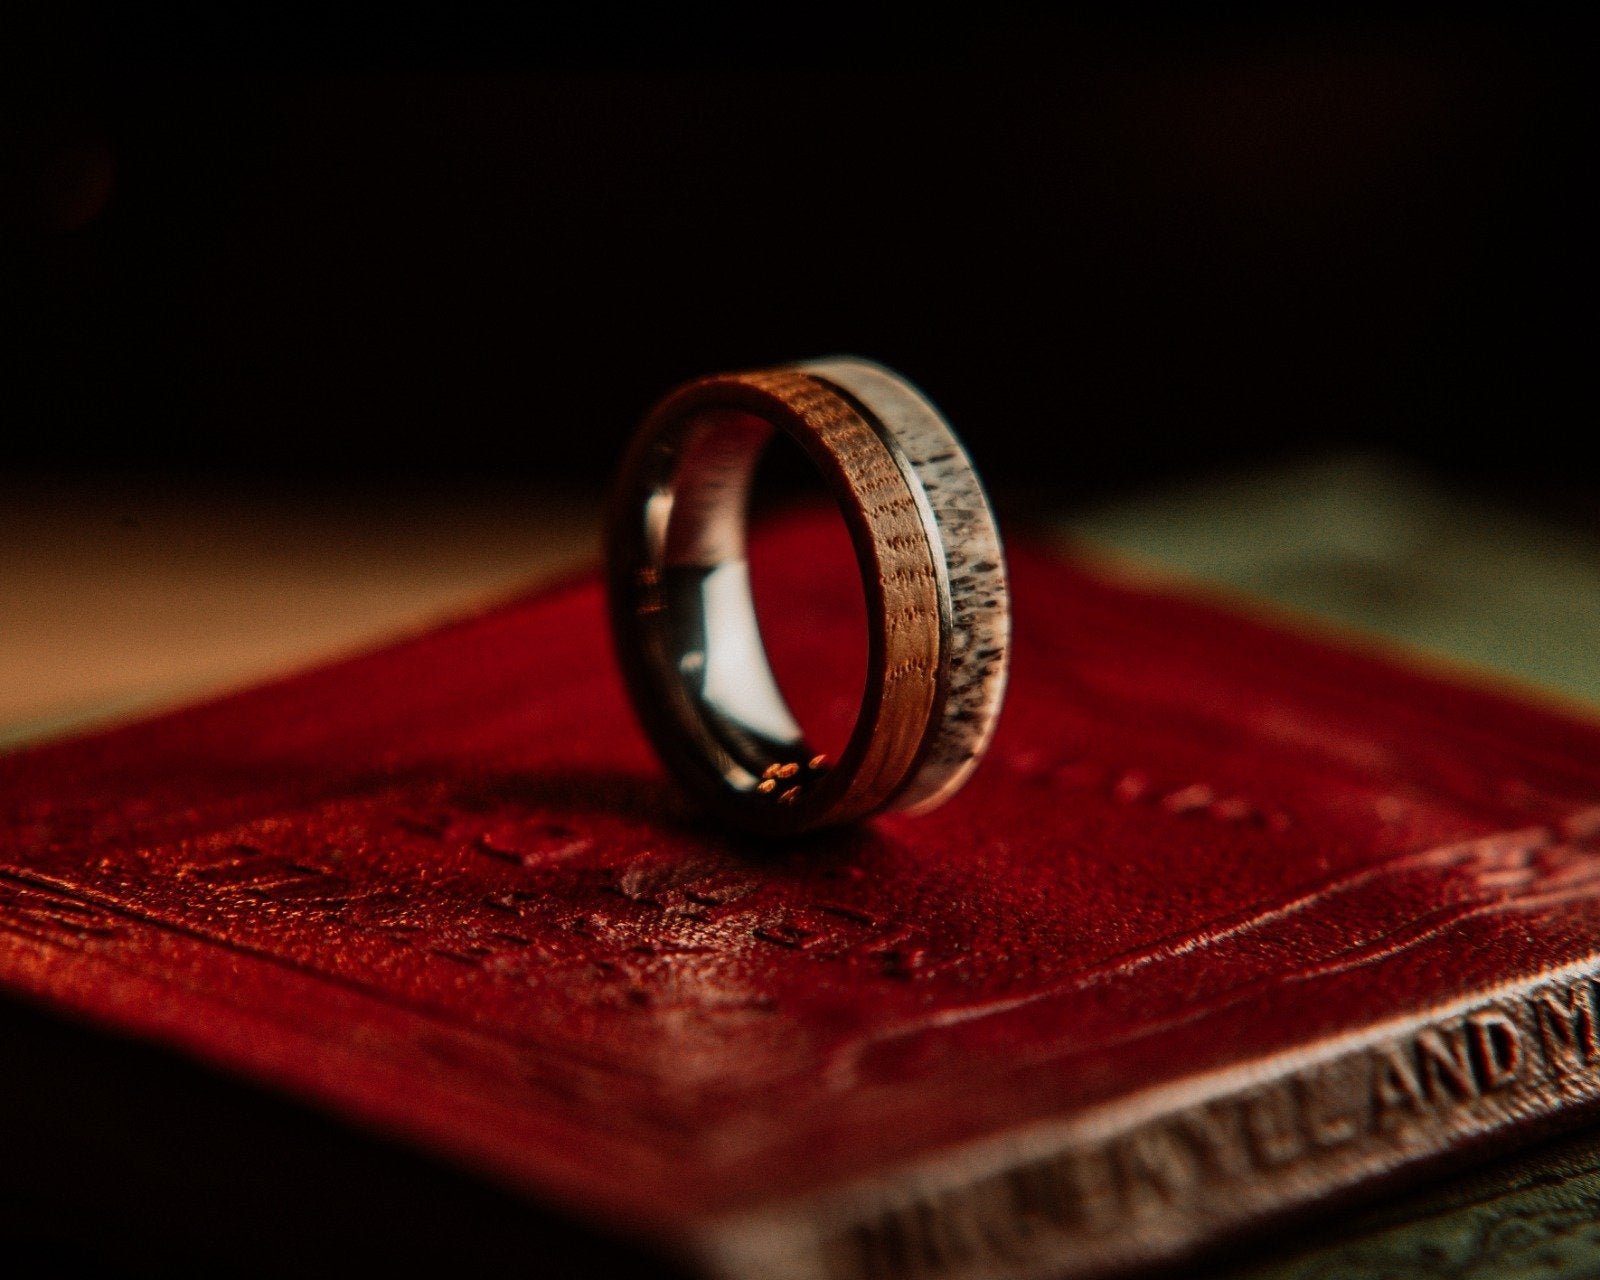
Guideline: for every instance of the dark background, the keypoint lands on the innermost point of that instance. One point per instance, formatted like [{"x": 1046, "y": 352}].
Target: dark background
[
  {"x": 401, "y": 248},
  {"x": 1112, "y": 248}
]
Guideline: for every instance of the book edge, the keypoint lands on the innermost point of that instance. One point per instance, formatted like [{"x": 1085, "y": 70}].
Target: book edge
[{"x": 1156, "y": 1175}]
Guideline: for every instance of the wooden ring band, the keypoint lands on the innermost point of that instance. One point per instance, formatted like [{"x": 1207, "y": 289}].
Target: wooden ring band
[{"x": 931, "y": 564}]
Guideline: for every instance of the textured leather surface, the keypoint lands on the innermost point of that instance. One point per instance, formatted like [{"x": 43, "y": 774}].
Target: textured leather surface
[{"x": 443, "y": 889}]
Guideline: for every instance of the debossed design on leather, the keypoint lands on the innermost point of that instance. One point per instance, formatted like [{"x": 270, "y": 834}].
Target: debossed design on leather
[{"x": 1231, "y": 918}]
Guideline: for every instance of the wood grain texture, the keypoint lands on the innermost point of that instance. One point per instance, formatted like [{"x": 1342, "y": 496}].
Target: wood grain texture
[{"x": 901, "y": 705}]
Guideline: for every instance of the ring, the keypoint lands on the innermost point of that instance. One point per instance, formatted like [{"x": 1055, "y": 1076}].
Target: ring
[{"x": 684, "y": 623}]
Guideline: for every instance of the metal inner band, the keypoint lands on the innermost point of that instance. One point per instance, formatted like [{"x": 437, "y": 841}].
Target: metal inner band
[{"x": 720, "y": 661}]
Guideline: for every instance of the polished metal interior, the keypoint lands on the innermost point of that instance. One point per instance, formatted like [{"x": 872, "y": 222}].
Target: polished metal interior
[{"x": 696, "y": 525}]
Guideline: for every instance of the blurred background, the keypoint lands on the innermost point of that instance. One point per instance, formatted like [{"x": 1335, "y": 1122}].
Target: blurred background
[
  {"x": 319, "y": 325},
  {"x": 356, "y": 310},
  {"x": 1122, "y": 246}
]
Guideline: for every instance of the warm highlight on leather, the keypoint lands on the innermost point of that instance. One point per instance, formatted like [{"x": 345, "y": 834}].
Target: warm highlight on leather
[{"x": 444, "y": 889}]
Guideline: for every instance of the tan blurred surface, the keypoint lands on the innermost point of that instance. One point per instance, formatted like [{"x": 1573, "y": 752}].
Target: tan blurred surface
[{"x": 121, "y": 597}]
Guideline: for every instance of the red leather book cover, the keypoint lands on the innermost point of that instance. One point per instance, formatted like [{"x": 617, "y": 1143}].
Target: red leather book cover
[{"x": 1231, "y": 919}]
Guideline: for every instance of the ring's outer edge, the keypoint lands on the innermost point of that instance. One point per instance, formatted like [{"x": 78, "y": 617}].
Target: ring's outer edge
[
  {"x": 918, "y": 494},
  {"x": 975, "y": 658}
]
